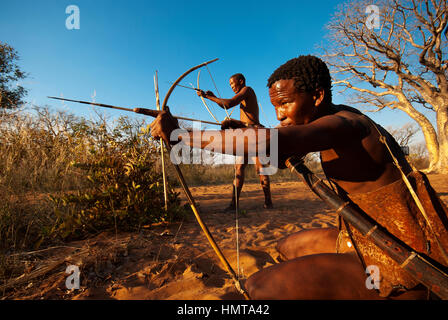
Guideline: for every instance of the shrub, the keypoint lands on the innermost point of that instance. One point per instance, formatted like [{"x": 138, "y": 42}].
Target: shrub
[
  {"x": 125, "y": 190},
  {"x": 63, "y": 177}
]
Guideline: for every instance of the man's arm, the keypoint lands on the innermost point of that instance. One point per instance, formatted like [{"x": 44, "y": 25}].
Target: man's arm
[
  {"x": 322, "y": 134},
  {"x": 226, "y": 103}
]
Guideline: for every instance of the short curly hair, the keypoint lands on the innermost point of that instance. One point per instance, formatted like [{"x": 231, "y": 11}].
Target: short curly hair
[
  {"x": 308, "y": 72},
  {"x": 238, "y": 76}
]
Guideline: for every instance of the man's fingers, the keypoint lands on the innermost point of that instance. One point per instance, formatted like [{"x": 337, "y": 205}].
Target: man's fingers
[
  {"x": 225, "y": 124},
  {"x": 155, "y": 126},
  {"x": 153, "y": 131},
  {"x": 232, "y": 124},
  {"x": 156, "y": 120},
  {"x": 163, "y": 125}
]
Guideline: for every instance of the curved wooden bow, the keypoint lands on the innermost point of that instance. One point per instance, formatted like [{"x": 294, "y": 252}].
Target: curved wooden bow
[
  {"x": 191, "y": 199},
  {"x": 203, "y": 100}
]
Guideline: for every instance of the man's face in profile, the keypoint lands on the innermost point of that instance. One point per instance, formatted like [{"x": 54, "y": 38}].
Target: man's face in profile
[
  {"x": 291, "y": 106},
  {"x": 236, "y": 84}
]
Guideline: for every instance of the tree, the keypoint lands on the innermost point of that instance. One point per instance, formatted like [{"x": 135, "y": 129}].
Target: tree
[
  {"x": 405, "y": 134},
  {"x": 395, "y": 58},
  {"x": 11, "y": 94}
]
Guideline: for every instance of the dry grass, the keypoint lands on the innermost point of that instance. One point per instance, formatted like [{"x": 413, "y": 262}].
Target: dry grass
[
  {"x": 62, "y": 176},
  {"x": 101, "y": 175}
]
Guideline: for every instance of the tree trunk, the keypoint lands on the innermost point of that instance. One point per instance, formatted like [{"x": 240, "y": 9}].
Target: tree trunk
[
  {"x": 432, "y": 144},
  {"x": 429, "y": 133},
  {"x": 442, "y": 126}
]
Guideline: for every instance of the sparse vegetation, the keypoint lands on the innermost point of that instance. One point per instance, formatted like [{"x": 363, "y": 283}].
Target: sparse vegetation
[
  {"x": 418, "y": 154},
  {"x": 11, "y": 93},
  {"x": 63, "y": 177}
]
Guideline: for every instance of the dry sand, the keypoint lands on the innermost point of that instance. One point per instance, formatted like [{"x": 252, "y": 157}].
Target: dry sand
[{"x": 176, "y": 261}]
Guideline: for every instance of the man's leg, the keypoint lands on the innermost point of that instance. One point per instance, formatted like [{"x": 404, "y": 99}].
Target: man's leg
[
  {"x": 308, "y": 272},
  {"x": 265, "y": 185},
  {"x": 310, "y": 241},
  {"x": 238, "y": 184},
  {"x": 319, "y": 276}
]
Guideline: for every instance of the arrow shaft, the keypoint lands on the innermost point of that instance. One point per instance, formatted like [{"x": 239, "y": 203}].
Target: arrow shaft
[
  {"x": 93, "y": 104},
  {"x": 191, "y": 88},
  {"x": 148, "y": 112}
]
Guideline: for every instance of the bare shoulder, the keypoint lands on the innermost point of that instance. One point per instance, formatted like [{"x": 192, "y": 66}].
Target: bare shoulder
[
  {"x": 348, "y": 112},
  {"x": 344, "y": 119},
  {"x": 248, "y": 98},
  {"x": 247, "y": 91},
  {"x": 351, "y": 117},
  {"x": 340, "y": 127}
]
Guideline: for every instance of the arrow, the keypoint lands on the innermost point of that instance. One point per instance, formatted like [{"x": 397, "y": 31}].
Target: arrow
[
  {"x": 191, "y": 88},
  {"x": 148, "y": 112}
]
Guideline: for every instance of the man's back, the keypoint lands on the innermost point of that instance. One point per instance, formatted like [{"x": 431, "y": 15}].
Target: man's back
[{"x": 362, "y": 164}]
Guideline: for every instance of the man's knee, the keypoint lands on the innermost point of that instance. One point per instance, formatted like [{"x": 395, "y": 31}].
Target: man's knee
[
  {"x": 257, "y": 286},
  {"x": 306, "y": 242},
  {"x": 239, "y": 169},
  {"x": 251, "y": 287},
  {"x": 264, "y": 180},
  {"x": 319, "y": 276},
  {"x": 281, "y": 247}
]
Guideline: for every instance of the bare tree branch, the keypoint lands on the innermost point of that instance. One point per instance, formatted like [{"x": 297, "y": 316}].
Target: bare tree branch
[{"x": 402, "y": 65}]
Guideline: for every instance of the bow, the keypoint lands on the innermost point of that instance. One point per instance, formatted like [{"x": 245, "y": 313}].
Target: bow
[
  {"x": 205, "y": 104},
  {"x": 203, "y": 100},
  {"x": 190, "y": 197},
  {"x": 162, "y": 154},
  {"x": 228, "y": 117}
]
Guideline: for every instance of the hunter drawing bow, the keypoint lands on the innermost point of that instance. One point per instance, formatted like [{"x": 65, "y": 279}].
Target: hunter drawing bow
[
  {"x": 190, "y": 198},
  {"x": 155, "y": 113}
]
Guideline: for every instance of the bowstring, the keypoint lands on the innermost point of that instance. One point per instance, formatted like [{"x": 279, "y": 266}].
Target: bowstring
[
  {"x": 264, "y": 115},
  {"x": 217, "y": 91},
  {"x": 202, "y": 98},
  {"x": 235, "y": 187},
  {"x": 237, "y": 228}
]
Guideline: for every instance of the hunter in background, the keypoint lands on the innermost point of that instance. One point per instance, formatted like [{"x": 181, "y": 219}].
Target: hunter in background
[{"x": 330, "y": 263}]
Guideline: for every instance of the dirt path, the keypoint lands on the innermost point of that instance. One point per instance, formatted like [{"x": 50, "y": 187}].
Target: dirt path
[{"x": 176, "y": 261}]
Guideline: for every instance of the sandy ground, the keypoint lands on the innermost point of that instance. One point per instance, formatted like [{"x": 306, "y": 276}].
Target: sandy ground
[{"x": 176, "y": 261}]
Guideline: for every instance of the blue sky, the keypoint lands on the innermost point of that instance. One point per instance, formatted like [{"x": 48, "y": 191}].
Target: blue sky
[{"x": 120, "y": 45}]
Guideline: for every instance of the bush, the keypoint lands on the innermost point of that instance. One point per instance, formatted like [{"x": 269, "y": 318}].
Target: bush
[
  {"x": 125, "y": 190},
  {"x": 63, "y": 177}
]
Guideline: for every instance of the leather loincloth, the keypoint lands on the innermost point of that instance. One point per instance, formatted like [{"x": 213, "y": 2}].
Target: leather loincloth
[{"x": 393, "y": 208}]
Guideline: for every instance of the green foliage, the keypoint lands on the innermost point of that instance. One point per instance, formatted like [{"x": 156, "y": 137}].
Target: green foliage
[
  {"x": 63, "y": 177},
  {"x": 124, "y": 188},
  {"x": 10, "y": 94}
]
